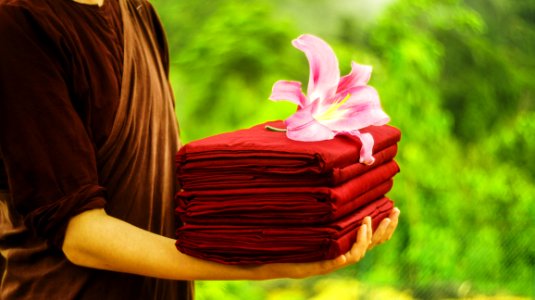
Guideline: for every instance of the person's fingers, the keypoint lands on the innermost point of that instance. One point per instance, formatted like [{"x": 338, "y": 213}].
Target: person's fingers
[
  {"x": 394, "y": 217},
  {"x": 356, "y": 253},
  {"x": 381, "y": 233},
  {"x": 358, "y": 250},
  {"x": 368, "y": 222},
  {"x": 386, "y": 228},
  {"x": 366, "y": 239}
]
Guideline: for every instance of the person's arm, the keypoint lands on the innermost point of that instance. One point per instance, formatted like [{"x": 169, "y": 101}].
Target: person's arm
[
  {"x": 47, "y": 151},
  {"x": 94, "y": 239}
]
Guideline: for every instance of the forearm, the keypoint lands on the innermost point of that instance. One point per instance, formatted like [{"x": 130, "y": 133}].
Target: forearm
[{"x": 96, "y": 240}]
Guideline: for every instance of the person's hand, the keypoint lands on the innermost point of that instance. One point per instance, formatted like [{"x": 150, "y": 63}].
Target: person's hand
[
  {"x": 386, "y": 228},
  {"x": 366, "y": 240}
]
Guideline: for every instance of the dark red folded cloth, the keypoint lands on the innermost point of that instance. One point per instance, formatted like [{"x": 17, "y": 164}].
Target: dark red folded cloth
[
  {"x": 285, "y": 205},
  {"x": 232, "y": 177},
  {"x": 270, "y": 244},
  {"x": 259, "y": 149},
  {"x": 277, "y": 210}
]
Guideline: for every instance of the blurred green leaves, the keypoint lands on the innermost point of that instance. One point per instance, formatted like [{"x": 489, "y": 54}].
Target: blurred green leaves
[
  {"x": 455, "y": 76},
  {"x": 224, "y": 71}
]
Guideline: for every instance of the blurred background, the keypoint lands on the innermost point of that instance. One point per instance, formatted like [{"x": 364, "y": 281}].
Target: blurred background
[{"x": 457, "y": 77}]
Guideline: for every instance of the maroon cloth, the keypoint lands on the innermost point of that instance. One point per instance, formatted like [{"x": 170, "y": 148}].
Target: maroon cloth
[
  {"x": 260, "y": 151},
  {"x": 236, "y": 178},
  {"x": 286, "y": 211},
  {"x": 284, "y": 205},
  {"x": 271, "y": 244},
  {"x": 254, "y": 196},
  {"x": 61, "y": 83}
]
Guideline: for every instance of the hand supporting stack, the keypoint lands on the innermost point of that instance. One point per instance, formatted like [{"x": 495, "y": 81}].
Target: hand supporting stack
[{"x": 253, "y": 196}]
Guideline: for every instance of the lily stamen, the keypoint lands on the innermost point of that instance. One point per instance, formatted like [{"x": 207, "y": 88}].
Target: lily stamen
[{"x": 330, "y": 113}]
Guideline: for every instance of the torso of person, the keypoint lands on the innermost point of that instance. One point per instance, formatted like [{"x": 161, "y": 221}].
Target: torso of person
[{"x": 82, "y": 127}]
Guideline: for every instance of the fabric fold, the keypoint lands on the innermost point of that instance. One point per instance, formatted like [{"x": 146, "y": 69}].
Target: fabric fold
[
  {"x": 256, "y": 175},
  {"x": 289, "y": 211},
  {"x": 276, "y": 244},
  {"x": 51, "y": 220},
  {"x": 296, "y": 204},
  {"x": 271, "y": 152},
  {"x": 253, "y": 196}
]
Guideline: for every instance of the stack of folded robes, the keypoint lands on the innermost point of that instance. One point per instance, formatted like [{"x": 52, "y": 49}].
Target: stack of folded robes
[{"x": 253, "y": 196}]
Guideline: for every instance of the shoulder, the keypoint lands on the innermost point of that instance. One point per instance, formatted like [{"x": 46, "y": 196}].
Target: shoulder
[
  {"x": 16, "y": 3},
  {"x": 41, "y": 25},
  {"x": 33, "y": 32},
  {"x": 25, "y": 7},
  {"x": 38, "y": 16},
  {"x": 11, "y": 10},
  {"x": 18, "y": 17}
]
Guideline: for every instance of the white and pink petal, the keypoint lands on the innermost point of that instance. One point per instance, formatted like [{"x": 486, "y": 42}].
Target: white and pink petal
[
  {"x": 366, "y": 151},
  {"x": 290, "y": 91},
  {"x": 359, "y": 75},
  {"x": 301, "y": 126},
  {"x": 324, "y": 71}
]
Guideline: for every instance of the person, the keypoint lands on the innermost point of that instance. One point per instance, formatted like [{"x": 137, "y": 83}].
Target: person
[{"x": 88, "y": 136}]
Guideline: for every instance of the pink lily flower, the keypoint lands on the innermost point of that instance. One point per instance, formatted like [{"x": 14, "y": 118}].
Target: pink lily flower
[{"x": 333, "y": 105}]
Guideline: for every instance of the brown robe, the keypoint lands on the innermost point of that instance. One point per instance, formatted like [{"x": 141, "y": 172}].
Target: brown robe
[{"x": 86, "y": 121}]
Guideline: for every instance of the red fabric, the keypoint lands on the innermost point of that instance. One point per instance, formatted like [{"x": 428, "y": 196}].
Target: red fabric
[
  {"x": 258, "y": 150},
  {"x": 270, "y": 244},
  {"x": 304, "y": 205},
  {"x": 257, "y": 176},
  {"x": 286, "y": 211},
  {"x": 253, "y": 196}
]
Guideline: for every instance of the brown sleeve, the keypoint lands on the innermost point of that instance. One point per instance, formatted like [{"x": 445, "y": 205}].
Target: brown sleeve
[{"x": 47, "y": 154}]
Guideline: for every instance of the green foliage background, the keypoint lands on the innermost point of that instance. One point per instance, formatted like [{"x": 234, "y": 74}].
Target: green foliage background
[{"x": 455, "y": 76}]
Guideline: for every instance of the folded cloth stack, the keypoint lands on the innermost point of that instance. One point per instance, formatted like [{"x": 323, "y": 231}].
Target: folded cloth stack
[{"x": 253, "y": 196}]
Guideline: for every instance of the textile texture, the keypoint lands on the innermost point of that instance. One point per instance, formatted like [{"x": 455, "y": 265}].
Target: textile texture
[
  {"x": 86, "y": 121},
  {"x": 253, "y": 196}
]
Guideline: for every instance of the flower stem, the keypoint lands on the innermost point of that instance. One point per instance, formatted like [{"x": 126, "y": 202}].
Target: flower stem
[{"x": 275, "y": 129}]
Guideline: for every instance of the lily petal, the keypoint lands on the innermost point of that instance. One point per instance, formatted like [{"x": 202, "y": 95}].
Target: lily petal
[
  {"x": 359, "y": 75},
  {"x": 373, "y": 118},
  {"x": 361, "y": 109},
  {"x": 312, "y": 132},
  {"x": 301, "y": 126},
  {"x": 365, "y": 105},
  {"x": 366, "y": 156},
  {"x": 288, "y": 91},
  {"x": 333, "y": 105},
  {"x": 324, "y": 71}
]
